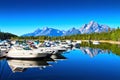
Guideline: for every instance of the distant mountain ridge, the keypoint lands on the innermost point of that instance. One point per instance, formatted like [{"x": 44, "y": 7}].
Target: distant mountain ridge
[
  {"x": 45, "y": 32},
  {"x": 86, "y": 28},
  {"x": 71, "y": 32}
]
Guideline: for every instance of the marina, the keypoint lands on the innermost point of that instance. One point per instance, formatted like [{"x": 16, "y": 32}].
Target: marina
[
  {"x": 59, "y": 39},
  {"x": 33, "y": 49},
  {"x": 85, "y": 62}
]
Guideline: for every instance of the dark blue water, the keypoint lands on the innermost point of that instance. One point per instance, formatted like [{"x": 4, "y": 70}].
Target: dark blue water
[{"x": 80, "y": 64}]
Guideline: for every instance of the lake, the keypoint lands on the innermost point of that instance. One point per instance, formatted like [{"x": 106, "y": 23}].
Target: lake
[{"x": 87, "y": 62}]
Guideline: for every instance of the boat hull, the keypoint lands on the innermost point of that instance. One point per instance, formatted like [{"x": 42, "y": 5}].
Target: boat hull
[{"x": 26, "y": 55}]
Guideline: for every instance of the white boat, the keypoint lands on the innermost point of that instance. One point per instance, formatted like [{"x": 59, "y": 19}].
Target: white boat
[
  {"x": 59, "y": 48},
  {"x": 96, "y": 42},
  {"x": 2, "y": 54},
  {"x": 79, "y": 41},
  {"x": 3, "y": 48},
  {"x": 19, "y": 52},
  {"x": 53, "y": 50},
  {"x": 65, "y": 45},
  {"x": 58, "y": 57}
]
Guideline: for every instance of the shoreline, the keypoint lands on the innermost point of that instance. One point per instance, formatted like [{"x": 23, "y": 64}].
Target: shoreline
[
  {"x": 104, "y": 41},
  {"x": 111, "y": 42}
]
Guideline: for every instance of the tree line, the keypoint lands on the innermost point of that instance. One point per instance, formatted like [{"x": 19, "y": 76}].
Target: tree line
[
  {"x": 4, "y": 36},
  {"x": 110, "y": 35}
]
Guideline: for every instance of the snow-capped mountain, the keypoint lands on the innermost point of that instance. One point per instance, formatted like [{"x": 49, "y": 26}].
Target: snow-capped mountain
[
  {"x": 45, "y": 32},
  {"x": 93, "y": 27},
  {"x": 72, "y": 31},
  {"x": 37, "y": 31},
  {"x": 86, "y": 28},
  {"x": 50, "y": 32}
]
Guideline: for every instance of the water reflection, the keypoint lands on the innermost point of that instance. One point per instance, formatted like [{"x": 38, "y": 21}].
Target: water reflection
[
  {"x": 92, "y": 52},
  {"x": 22, "y": 65},
  {"x": 76, "y": 65},
  {"x": 17, "y": 65}
]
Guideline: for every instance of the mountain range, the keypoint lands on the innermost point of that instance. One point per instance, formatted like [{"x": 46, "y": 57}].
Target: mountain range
[{"x": 91, "y": 27}]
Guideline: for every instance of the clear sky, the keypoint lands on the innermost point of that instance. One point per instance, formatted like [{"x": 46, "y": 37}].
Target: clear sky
[{"x": 23, "y": 16}]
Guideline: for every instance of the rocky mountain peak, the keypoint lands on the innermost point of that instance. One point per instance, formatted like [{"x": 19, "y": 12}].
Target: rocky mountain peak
[{"x": 91, "y": 27}]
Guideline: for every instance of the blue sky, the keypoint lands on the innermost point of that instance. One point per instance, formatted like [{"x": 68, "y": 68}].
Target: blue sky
[{"x": 23, "y": 16}]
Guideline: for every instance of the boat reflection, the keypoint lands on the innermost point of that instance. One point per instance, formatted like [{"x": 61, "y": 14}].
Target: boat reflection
[
  {"x": 21, "y": 65},
  {"x": 18, "y": 65}
]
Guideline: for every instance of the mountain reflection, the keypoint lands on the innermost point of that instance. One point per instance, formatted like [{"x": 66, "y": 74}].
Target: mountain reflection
[
  {"x": 93, "y": 51},
  {"x": 19, "y": 65},
  {"x": 79, "y": 64}
]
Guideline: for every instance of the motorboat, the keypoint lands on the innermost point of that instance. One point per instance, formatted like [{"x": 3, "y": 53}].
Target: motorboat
[
  {"x": 58, "y": 57},
  {"x": 96, "y": 42},
  {"x": 60, "y": 49},
  {"x": 4, "y": 46},
  {"x": 65, "y": 44},
  {"x": 2, "y": 54},
  {"x": 19, "y": 52},
  {"x": 53, "y": 49}
]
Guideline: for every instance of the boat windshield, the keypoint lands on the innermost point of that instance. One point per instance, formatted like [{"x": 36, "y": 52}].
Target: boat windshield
[{"x": 27, "y": 48}]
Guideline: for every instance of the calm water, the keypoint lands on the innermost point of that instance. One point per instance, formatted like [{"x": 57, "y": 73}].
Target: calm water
[{"x": 87, "y": 63}]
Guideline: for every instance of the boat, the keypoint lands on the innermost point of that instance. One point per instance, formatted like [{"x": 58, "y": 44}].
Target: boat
[
  {"x": 65, "y": 45},
  {"x": 58, "y": 57},
  {"x": 52, "y": 50},
  {"x": 96, "y": 42},
  {"x": 4, "y": 46},
  {"x": 60, "y": 49},
  {"x": 2, "y": 54},
  {"x": 19, "y": 52},
  {"x": 78, "y": 41}
]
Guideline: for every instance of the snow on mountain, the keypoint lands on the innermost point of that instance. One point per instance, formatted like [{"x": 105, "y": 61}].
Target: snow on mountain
[
  {"x": 72, "y": 32},
  {"x": 33, "y": 33},
  {"x": 37, "y": 31},
  {"x": 93, "y": 27},
  {"x": 86, "y": 28},
  {"x": 50, "y": 32},
  {"x": 46, "y": 32}
]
